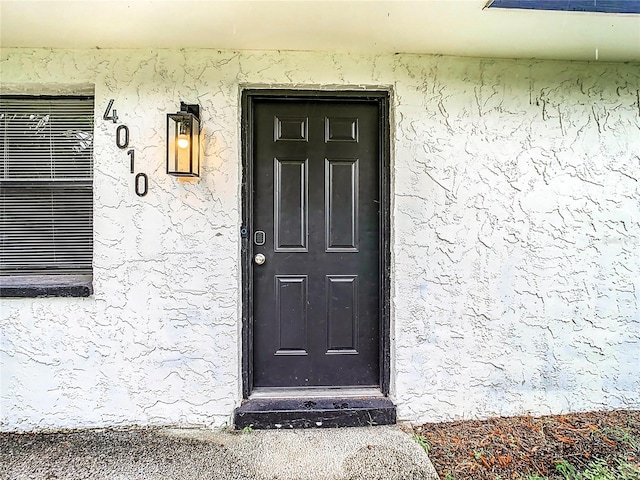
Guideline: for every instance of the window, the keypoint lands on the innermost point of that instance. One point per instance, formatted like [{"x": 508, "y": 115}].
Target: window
[
  {"x": 46, "y": 196},
  {"x": 602, "y": 6}
]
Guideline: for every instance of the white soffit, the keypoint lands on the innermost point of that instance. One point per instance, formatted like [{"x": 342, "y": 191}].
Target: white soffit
[{"x": 448, "y": 27}]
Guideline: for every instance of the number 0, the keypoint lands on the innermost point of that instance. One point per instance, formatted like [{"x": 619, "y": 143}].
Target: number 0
[
  {"x": 121, "y": 142},
  {"x": 142, "y": 191}
]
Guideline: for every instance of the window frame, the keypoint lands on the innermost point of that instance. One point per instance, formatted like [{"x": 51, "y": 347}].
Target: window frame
[{"x": 52, "y": 284}]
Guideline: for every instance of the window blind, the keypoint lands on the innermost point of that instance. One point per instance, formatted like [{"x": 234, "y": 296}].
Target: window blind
[{"x": 46, "y": 183}]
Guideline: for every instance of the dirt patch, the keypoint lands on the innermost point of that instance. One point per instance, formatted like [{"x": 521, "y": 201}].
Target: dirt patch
[{"x": 536, "y": 448}]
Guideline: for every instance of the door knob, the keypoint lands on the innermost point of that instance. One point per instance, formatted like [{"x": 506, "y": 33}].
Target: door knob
[{"x": 259, "y": 259}]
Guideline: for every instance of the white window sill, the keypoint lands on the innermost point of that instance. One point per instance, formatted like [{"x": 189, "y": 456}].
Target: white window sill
[{"x": 33, "y": 286}]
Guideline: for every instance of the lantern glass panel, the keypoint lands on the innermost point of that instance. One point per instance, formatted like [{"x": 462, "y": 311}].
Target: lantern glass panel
[
  {"x": 195, "y": 146},
  {"x": 183, "y": 144}
]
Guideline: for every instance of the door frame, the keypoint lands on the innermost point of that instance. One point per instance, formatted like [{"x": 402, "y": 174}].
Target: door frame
[{"x": 248, "y": 99}]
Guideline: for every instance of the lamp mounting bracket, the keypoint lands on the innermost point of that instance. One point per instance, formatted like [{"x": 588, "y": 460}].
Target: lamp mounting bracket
[{"x": 194, "y": 109}]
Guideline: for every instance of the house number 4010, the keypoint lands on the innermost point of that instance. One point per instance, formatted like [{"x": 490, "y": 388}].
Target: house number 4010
[{"x": 141, "y": 182}]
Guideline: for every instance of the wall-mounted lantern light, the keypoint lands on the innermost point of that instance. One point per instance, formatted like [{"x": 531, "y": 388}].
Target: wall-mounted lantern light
[{"x": 183, "y": 141}]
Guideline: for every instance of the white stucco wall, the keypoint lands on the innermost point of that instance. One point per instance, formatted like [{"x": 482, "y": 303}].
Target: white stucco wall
[{"x": 516, "y": 229}]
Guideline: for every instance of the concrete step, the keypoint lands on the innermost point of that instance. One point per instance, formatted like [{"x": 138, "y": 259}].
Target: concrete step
[{"x": 278, "y": 413}]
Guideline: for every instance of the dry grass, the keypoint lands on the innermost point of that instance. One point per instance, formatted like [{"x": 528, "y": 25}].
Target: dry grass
[{"x": 576, "y": 446}]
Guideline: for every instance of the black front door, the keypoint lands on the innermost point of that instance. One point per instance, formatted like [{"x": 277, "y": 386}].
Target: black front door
[{"x": 316, "y": 221}]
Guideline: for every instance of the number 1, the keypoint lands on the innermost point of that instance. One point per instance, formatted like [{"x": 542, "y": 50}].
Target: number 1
[{"x": 131, "y": 154}]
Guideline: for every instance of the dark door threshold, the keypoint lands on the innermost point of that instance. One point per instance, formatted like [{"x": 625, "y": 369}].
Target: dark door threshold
[{"x": 275, "y": 413}]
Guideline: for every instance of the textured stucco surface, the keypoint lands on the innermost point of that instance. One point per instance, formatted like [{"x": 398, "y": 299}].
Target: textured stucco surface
[{"x": 515, "y": 225}]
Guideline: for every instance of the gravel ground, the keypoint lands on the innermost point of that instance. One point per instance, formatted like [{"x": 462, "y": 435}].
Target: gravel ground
[{"x": 373, "y": 453}]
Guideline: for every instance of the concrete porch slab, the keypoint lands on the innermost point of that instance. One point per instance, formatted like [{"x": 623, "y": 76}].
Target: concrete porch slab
[{"x": 371, "y": 453}]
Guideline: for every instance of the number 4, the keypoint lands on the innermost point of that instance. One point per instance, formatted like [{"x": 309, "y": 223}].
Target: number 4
[{"x": 113, "y": 116}]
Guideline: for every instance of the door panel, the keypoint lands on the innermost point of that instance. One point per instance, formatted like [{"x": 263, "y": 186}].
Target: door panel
[
  {"x": 291, "y": 314},
  {"x": 316, "y": 196},
  {"x": 342, "y": 314},
  {"x": 341, "y": 205},
  {"x": 291, "y": 207}
]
